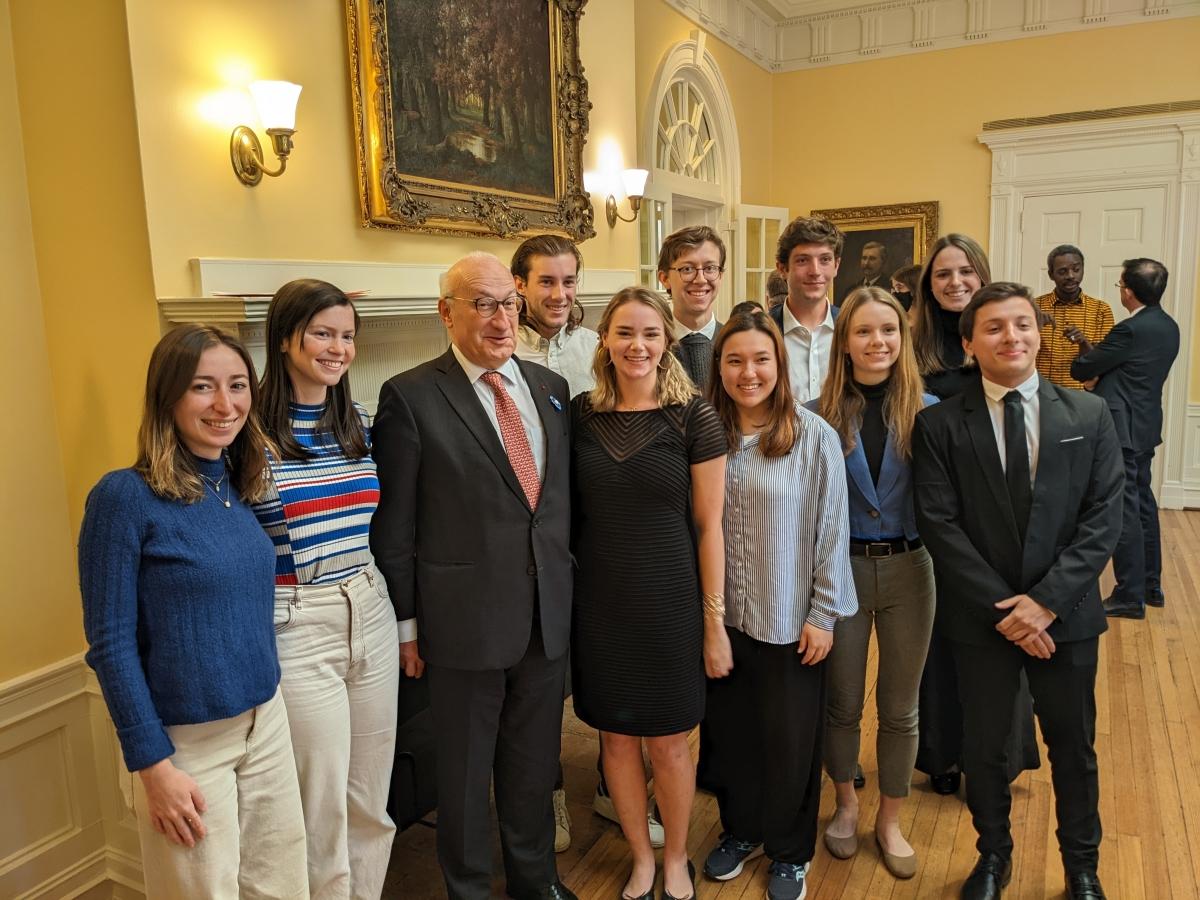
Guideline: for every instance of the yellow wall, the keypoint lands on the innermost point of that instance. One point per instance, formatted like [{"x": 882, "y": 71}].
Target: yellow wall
[
  {"x": 750, "y": 88},
  {"x": 187, "y": 54},
  {"x": 40, "y": 612}
]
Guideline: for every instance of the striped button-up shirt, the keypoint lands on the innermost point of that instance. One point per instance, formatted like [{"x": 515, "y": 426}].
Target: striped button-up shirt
[
  {"x": 1091, "y": 316},
  {"x": 787, "y": 536}
]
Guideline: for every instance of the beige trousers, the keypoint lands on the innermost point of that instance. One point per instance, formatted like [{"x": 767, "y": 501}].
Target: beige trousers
[
  {"x": 340, "y": 660},
  {"x": 255, "y": 843}
]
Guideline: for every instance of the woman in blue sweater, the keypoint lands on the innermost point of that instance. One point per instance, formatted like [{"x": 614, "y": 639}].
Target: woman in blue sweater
[
  {"x": 175, "y": 574},
  {"x": 335, "y": 626}
]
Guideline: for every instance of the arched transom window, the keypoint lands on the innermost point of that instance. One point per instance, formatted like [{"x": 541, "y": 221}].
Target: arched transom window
[{"x": 685, "y": 143}]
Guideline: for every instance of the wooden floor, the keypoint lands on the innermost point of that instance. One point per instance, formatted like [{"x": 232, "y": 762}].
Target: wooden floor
[{"x": 1148, "y": 742}]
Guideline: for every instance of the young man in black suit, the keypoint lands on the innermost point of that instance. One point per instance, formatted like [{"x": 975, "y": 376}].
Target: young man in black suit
[
  {"x": 1132, "y": 363},
  {"x": 1018, "y": 499},
  {"x": 471, "y": 534},
  {"x": 690, "y": 266}
]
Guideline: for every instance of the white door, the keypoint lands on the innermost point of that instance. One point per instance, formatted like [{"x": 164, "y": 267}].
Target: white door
[{"x": 1109, "y": 226}]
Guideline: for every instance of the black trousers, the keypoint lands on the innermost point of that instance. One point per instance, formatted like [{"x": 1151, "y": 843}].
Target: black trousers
[
  {"x": 504, "y": 723},
  {"x": 940, "y": 722},
  {"x": 1064, "y": 695},
  {"x": 1137, "y": 560},
  {"x": 764, "y": 724}
]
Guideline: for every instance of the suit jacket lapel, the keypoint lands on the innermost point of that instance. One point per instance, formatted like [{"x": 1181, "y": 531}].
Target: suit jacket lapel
[
  {"x": 461, "y": 395},
  {"x": 890, "y": 469},
  {"x": 983, "y": 438},
  {"x": 1052, "y": 466},
  {"x": 860, "y": 472}
]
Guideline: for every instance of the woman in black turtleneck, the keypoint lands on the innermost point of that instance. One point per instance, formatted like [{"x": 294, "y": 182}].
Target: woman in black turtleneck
[
  {"x": 957, "y": 267},
  {"x": 871, "y": 399}
]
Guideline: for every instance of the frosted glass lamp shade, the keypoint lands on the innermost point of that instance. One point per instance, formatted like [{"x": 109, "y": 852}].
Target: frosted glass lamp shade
[
  {"x": 276, "y": 102},
  {"x": 634, "y": 182}
]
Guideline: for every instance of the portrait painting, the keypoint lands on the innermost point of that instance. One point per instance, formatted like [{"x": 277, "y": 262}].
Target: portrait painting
[
  {"x": 471, "y": 115},
  {"x": 879, "y": 241}
]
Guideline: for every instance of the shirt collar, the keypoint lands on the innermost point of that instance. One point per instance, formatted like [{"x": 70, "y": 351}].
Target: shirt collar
[
  {"x": 531, "y": 337},
  {"x": 996, "y": 392},
  {"x": 508, "y": 371},
  {"x": 708, "y": 329},
  {"x": 1058, "y": 301},
  {"x": 790, "y": 322}
]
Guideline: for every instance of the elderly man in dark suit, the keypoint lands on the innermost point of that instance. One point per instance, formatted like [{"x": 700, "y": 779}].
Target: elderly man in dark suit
[
  {"x": 1131, "y": 364},
  {"x": 472, "y": 536},
  {"x": 1018, "y": 499}
]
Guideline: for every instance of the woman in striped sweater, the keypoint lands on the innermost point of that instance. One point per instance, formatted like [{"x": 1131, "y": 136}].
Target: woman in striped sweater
[{"x": 334, "y": 624}]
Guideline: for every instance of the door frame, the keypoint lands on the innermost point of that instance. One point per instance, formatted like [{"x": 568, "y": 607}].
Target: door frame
[{"x": 1142, "y": 151}]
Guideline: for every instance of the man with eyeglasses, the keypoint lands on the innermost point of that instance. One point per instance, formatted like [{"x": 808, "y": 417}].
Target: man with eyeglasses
[
  {"x": 808, "y": 255},
  {"x": 690, "y": 265},
  {"x": 471, "y": 534}
]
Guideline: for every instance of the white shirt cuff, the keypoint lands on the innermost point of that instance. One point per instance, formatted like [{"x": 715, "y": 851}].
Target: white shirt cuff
[{"x": 407, "y": 629}]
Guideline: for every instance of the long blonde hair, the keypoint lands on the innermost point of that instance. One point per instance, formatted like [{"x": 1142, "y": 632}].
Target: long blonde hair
[
  {"x": 927, "y": 338},
  {"x": 163, "y": 460},
  {"x": 672, "y": 387},
  {"x": 842, "y": 403}
]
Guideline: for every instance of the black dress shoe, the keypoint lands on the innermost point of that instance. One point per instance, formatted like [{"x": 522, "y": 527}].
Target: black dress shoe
[
  {"x": 1154, "y": 597},
  {"x": 1125, "y": 611},
  {"x": 1083, "y": 885},
  {"x": 691, "y": 877},
  {"x": 860, "y": 780},
  {"x": 946, "y": 783},
  {"x": 990, "y": 875},
  {"x": 556, "y": 891}
]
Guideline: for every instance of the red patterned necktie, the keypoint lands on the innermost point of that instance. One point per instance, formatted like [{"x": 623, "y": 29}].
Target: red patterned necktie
[{"x": 516, "y": 444}]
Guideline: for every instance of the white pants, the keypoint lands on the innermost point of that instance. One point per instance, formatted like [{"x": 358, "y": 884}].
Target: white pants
[
  {"x": 255, "y": 843},
  {"x": 340, "y": 660}
]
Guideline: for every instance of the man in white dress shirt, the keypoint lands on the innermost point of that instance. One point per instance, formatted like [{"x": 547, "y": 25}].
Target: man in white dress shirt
[{"x": 808, "y": 255}]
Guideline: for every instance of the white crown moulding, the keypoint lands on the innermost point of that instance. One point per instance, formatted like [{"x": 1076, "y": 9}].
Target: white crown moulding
[{"x": 805, "y": 34}]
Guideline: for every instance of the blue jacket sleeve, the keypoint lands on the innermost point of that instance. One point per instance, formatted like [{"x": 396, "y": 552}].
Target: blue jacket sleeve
[{"x": 110, "y": 550}]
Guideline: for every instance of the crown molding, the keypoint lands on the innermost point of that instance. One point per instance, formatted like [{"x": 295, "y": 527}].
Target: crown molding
[{"x": 836, "y": 32}]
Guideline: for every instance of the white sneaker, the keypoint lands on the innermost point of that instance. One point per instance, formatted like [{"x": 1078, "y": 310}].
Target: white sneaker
[
  {"x": 562, "y": 821},
  {"x": 602, "y": 805}
]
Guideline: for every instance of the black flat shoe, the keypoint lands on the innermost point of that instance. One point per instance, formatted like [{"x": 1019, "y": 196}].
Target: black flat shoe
[
  {"x": 1125, "y": 611},
  {"x": 1154, "y": 597},
  {"x": 556, "y": 891},
  {"x": 649, "y": 895},
  {"x": 1084, "y": 886},
  {"x": 691, "y": 877},
  {"x": 946, "y": 783},
  {"x": 989, "y": 877}
]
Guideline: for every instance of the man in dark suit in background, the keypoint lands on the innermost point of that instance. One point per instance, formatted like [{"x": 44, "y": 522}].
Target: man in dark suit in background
[
  {"x": 1018, "y": 499},
  {"x": 873, "y": 268},
  {"x": 1132, "y": 363},
  {"x": 690, "y": 265},
  {"x": 472, "y": 536}
]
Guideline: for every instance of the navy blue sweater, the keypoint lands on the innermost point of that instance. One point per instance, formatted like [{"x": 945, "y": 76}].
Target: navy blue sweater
[{"x": 178, "y": 603}]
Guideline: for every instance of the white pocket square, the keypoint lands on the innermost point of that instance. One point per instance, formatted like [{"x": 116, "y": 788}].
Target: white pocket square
[{"x": 1078, "y": 437}]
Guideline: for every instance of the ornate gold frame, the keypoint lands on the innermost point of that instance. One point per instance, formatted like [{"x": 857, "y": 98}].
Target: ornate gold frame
[
  {"x": 921, "y": 217},
  {"x": 391, "y": 199}
]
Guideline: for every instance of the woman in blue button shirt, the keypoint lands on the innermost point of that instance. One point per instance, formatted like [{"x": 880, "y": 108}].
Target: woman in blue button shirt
[{"x": 871, "y": 398}]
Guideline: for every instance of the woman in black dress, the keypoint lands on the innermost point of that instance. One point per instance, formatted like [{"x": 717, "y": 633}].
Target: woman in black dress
[
  {"x": 649, "y": 476},
  {"x": 957, "y": 268}
]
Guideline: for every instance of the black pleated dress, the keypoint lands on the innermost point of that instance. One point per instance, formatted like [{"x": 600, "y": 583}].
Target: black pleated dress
[{"x": 637, "y": 640}]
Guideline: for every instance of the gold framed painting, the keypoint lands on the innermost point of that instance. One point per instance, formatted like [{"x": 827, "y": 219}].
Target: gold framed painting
[
  {"x": 470, "y": 116},
  {"x": 881, "y": 240}
]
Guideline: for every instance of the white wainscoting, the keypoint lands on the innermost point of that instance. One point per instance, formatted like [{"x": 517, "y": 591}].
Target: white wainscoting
[
  {"x": 1185, "y": 494},
  {"x": 65, "y": 829}
]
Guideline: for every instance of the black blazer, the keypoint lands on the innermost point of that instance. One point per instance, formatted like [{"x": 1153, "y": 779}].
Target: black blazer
[
  {"x": 1132, "y": 362},
  {"x": 965, "y": 517},
  {"x": 454, "y": 535}
]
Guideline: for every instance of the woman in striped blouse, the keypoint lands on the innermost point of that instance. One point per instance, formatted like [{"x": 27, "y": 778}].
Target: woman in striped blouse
[
  {"x": 334, "y": 624},
  {"x": 787, "y": 583}
]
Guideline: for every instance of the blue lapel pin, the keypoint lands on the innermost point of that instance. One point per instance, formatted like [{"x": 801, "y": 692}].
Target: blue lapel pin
[{"x": 554, "y": 401}]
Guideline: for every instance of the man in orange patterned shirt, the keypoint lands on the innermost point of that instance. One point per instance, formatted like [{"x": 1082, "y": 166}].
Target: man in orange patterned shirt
[{"x": 1068, "y": 315}]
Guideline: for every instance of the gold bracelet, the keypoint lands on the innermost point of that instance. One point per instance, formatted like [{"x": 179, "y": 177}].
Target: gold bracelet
[{"x": 714, "y": 605}]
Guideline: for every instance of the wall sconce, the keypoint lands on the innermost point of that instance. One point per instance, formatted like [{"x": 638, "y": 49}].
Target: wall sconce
[
  {"x": 276, "y": 102},
  {"x": 633, "y": 182}
]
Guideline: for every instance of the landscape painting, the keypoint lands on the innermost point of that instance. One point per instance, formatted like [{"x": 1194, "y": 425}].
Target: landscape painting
[{"x": 470, "y": 115}]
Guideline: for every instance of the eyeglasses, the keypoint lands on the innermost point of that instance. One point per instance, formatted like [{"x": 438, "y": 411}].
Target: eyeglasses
[
  {"x": 688, "y": 273},
  {"x": 486, "y": 306},
  {"x": 1119, "y": 284}
]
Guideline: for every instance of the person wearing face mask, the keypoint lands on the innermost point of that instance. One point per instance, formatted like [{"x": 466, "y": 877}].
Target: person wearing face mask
[
  {"x": 871, "y": 399},
  {"x": 956, "y": 269},
  {"x": 788, "y": 580},
  {"x": 175, "y": 575},
  {"x": 550, "y": 332},
  {"x": 334, "y": 623},
  {"x": 905, "y": 282}
]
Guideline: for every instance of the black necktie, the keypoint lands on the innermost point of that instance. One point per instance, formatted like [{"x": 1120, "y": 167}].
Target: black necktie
[
  {"x": 1016, "y": 460},
  {"x": 697, "y": 358}
]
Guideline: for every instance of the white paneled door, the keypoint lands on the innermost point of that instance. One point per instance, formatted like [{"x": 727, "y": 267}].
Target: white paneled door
[{"x": 1109, "y": 226}]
